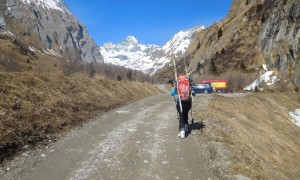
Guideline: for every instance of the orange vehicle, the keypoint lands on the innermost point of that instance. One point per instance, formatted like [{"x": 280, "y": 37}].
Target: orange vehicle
[{"x": 218, "y": 85}]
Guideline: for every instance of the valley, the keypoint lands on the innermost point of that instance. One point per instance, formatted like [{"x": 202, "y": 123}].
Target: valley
[
  {"x": 73, "y": 109},
  {"x": 226, "y": 141}
]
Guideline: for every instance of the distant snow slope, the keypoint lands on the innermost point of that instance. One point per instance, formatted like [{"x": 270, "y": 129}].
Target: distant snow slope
[
  {"x": 129, "y": 53},
  {"x": 180, "y": 41},
  {"x": 147, "y": 58}
]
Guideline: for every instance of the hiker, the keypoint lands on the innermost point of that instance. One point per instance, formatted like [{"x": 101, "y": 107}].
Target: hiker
[{"x": 185, "y": 92}]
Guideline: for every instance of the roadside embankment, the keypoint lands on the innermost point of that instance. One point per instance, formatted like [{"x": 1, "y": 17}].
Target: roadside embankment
[
  {"x": 256, "y": 129},
  {"x": 36, "y": 109}
]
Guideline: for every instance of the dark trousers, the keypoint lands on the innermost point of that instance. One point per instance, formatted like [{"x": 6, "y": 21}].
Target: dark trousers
[{"x": 184, "y": 115}]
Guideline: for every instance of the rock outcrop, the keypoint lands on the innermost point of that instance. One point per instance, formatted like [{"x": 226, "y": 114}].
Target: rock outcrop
[
  {"x": 254, "y": 32},
  {"x": 49, "y": 26},
  {"x": 279, "y": 36}
]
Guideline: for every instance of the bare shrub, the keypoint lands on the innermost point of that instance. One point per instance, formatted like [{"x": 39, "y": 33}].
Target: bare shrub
[
  {"x": 236, "y": 82},
  {"x": 90, "y": 69},
  {"x": 72, "y": 62},
  {"x": 207, "y": 77},
  {"x": 129, "y": 75},
  {"x": 279, "y": 86},
  {"x": 23, "y": 47},
  {"x": 110, "y": 71},
  {"x": 68, "y": 68},
  {"x": 119, "y": 78},
  {"x": 73, "y": 65}
]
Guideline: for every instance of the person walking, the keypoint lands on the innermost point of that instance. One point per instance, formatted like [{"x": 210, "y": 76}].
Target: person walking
[{"x": 183, "y": 92}]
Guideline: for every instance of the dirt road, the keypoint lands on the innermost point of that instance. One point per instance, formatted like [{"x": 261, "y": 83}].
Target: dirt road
[{"x": 138, "y": 141}]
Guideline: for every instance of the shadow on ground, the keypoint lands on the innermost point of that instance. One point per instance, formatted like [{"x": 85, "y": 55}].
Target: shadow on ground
[{"x": 196, "y": 126}]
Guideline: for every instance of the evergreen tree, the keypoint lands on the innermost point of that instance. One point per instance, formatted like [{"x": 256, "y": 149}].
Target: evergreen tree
[
  {"x": 199, "y": 67},
  {"x": 213, "y": 67},
  {"x": 220, "y": 32},
  {"x": 119, "y": 78},
  {"x": 223, "y": 51},
  {"x": 243, "y": 66},
  {"x": 129, "y": 75}
]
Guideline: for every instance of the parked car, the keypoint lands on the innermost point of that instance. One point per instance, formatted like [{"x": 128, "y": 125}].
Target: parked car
[{"x": 202, "y": 88}]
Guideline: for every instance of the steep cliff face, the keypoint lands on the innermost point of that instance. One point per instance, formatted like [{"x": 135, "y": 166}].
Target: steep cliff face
[
  {"x": 279, "y": 37},
  {"x": 255, "y": 32},
  {"x": 47, "y": 25}
]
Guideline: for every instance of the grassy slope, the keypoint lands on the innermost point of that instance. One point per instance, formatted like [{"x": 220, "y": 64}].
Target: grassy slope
[
  {"x": 264, "y": 143},
  {"x": 34, "y": 108}
]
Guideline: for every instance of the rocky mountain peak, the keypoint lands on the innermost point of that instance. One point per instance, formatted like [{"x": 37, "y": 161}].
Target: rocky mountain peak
[
  {"x": 131, "y": 40},
  {"x": 49, "y": 26}
]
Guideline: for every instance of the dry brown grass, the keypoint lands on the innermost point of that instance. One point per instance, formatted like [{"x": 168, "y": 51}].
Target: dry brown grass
[
  {"x": 265, "y": 144},
  {"x": 14, "y": 59},
  {"x": 37, "y": 102},
  {"x": 35, "y": 108}
]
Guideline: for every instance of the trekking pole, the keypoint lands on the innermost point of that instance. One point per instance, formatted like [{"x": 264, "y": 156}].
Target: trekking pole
[
  {"x": 192, "y": 112},
  {"x": 192, "y": 105},
  {"x": 176, "y": 78}
]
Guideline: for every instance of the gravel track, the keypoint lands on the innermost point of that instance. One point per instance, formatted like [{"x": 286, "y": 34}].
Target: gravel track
[{"x": 137, "y": 141}]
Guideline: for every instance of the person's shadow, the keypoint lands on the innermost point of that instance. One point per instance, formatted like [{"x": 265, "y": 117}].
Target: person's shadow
[{"x": 196, "y": 126}]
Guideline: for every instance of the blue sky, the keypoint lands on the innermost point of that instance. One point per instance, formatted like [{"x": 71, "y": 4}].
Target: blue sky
[{"x": 150, "y": 21}]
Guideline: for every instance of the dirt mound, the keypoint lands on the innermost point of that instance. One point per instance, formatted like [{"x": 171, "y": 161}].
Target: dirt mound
[
  {"x": 36, "y": 108},
  {"x": 264, "y": 143}
]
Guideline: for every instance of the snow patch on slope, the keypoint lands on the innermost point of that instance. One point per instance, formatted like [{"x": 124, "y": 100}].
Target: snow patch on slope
[
  {"x": 266, "y": 77},
  {"x": 295, "y": 117}
]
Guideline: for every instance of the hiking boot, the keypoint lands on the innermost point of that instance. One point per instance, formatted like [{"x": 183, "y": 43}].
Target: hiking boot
[{"x": 186, "y": 127}]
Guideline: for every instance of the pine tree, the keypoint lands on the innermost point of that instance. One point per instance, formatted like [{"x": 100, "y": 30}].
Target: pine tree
[
  {"x": 199, "y": 67},
  {"x": 223, "y": 51},
  {"x": 220, "y": 32},
  {"x": 129, "y": 75},
  {"x": 243, "y": 66},
  {"x": 213, "y": 67}
]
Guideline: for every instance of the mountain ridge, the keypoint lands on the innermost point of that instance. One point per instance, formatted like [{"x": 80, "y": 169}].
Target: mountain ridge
[
  {"x": 36, "y": 23},
  {"x": 147, "y": 58}
]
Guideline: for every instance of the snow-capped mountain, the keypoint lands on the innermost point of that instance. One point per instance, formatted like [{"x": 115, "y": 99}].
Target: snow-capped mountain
[
  {"x": 180, "y": 42},
  {"x": 129, "y": 53},
  {"x": 147, "y": 58}
]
